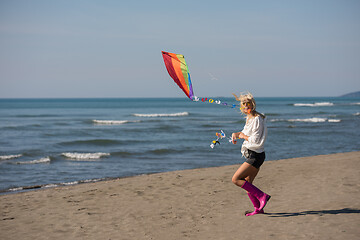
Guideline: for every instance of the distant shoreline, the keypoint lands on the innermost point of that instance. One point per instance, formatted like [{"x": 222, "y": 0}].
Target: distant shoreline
[{"x": 352, "y": 95}]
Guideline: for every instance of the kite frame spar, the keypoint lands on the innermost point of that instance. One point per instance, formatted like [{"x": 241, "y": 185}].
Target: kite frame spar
[{"x": 179, "y": 72}]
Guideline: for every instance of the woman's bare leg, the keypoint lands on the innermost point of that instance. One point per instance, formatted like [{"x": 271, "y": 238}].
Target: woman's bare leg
[{"x": 246, "y": 172}]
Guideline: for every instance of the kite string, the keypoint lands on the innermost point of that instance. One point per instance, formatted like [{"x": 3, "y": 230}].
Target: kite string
[{"x": 219, "y": 102}]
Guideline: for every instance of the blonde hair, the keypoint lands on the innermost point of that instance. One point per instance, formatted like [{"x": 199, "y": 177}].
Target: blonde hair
[{"x": 248, "y": 97}]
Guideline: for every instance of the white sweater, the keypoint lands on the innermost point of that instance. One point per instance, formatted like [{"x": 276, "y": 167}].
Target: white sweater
[{"x": 256, "y": 129}]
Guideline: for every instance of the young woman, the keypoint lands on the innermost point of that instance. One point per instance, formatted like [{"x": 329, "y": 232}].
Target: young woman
[{"x": 254, "y": 135}]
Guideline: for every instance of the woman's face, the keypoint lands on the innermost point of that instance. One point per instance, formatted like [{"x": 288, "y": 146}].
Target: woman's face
[{"x": 246, "y": 106}]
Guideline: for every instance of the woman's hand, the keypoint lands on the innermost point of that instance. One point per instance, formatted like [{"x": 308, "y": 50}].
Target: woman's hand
[
  {"x": 233, "y": 138},
  {"x": 238, "y": 135}
]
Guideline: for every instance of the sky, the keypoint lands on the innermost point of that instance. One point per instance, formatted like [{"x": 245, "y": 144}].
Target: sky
[{"x": 112, "y": 49}]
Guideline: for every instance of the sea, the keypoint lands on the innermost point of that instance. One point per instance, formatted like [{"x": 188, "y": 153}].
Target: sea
[{"x": 60, "y": 142}]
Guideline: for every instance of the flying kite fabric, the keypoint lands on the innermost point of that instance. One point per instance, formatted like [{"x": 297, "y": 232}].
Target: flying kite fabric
[{"x": 179, "y": 72}]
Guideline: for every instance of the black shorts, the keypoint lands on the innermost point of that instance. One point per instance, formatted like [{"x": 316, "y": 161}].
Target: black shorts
[{"x": 253, "y": 158}]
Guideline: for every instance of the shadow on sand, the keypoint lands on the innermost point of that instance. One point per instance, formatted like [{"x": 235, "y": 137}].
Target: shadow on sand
[{"x": 320, "y": 213}]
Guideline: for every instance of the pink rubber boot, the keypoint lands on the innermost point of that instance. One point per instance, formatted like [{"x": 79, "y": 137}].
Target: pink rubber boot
[
  {"x": 257, "y": 193},
  {"x": 256, "y": 204}
]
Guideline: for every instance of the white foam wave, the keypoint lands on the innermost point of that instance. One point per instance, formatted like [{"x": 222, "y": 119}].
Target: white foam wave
[
  {"x": 50, "y": 185},
  {"x": 81, "y": 181},
  {"x": 41, "y": 160},
  {"x": 357, "y": 114},
  {"x": 112, "y": 122},
  {"x": 318, "y": 104},
  {"x": 308, "y": 120},
  {"x": 8, "y": 157},
  {"x": 70, "y": 183},
  {"x": 84, "y": 156},
  {"x": 180, "y": 114},
  {"x": 312, "y": 120}
]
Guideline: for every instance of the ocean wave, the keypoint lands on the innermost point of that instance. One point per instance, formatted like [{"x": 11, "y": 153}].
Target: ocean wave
[
  {"x": 36, "y": 115},
  {"x": 163, "y": 151},
  {"x": 52, "y": 185},
  {"x": 317, "y": 104},
  {"x": 41, "y": 160},
  {"x": 167, "y": 128},
  {"x": 21, "y": 127},
  {"x": 316, "y": 120},
  {"x": 85, "y": 156},
  {"x": 122, "y": 154},
  {"x": 180, "y": 114},
  {"x": 357, "y": 114},
  {"x": 334, "y": 120},
  {"x": 112, "y": 122},
  {"x": 312, "y": 120},
  {"x": 93, "y": 142},
  {"x": 8, "y": 157}
]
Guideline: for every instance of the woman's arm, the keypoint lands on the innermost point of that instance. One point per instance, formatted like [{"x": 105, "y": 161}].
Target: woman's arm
[
  {"x": 239, "y": 135},
  {"x": 242, "y": 135}
]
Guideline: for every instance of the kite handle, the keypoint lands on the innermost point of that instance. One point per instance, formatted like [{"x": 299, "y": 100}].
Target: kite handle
[{"x": 220, "y": 135}]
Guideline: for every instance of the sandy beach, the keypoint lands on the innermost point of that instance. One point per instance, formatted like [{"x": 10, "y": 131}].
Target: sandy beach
[{"x": 312, "y": 198}]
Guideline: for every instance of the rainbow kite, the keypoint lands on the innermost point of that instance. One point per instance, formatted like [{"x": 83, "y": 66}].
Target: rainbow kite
[{"x": 178, "y": 70}]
